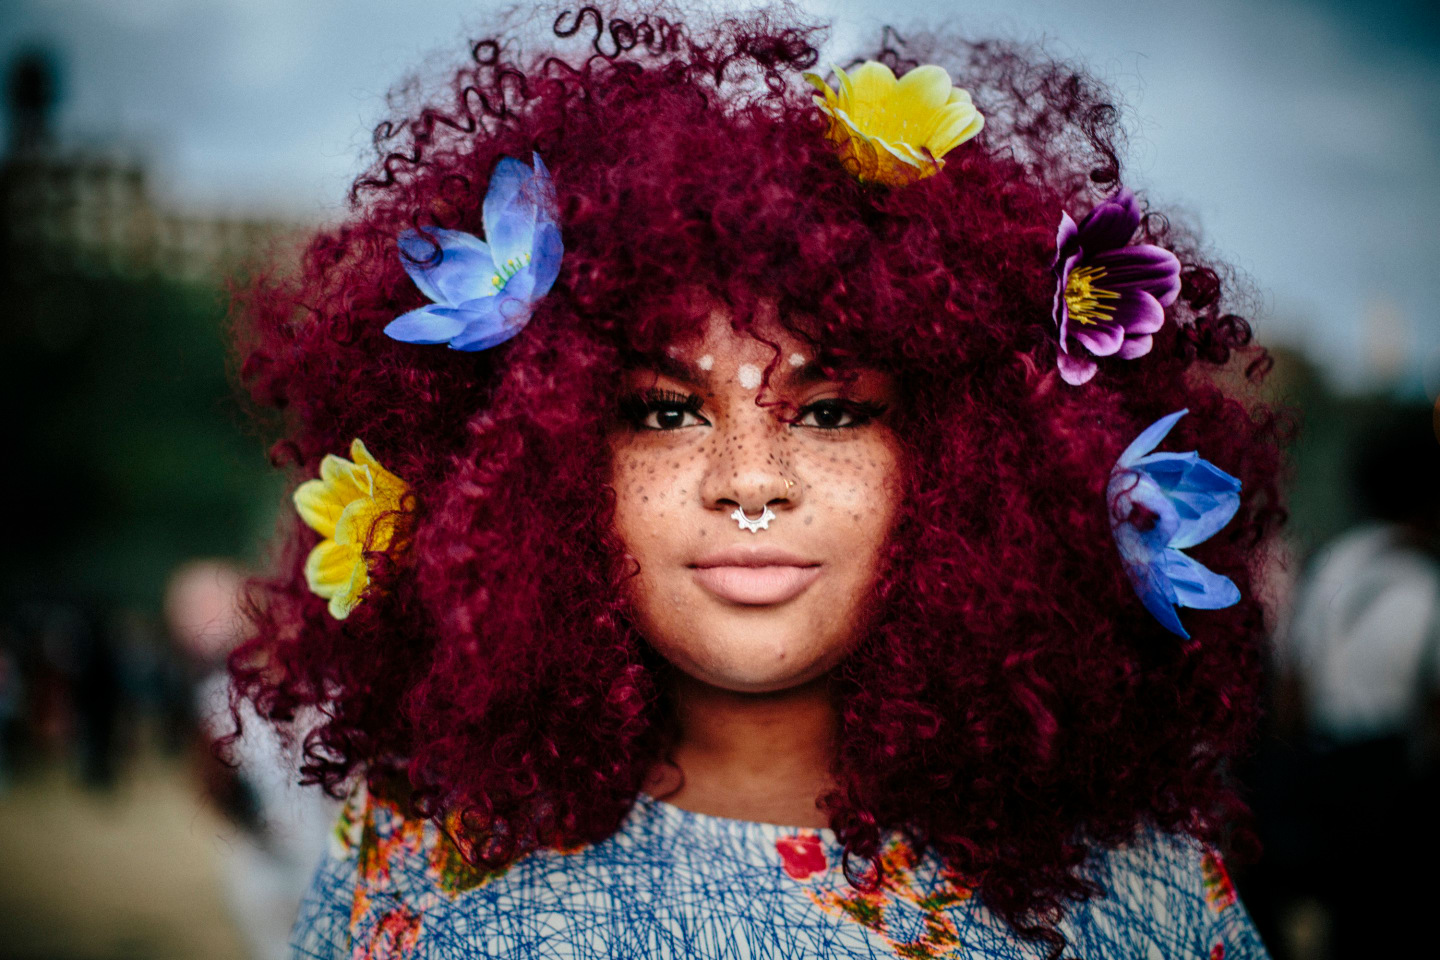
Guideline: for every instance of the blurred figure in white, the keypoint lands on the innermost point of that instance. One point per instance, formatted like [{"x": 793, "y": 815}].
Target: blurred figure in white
[
  {"x": 1360, "y": 661},
  {"x": 282, "y": 827}
]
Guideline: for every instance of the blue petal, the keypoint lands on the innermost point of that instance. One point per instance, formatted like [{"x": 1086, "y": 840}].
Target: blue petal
[
  {"x": 429, "y": 324},
  {"x": 1140, "y": 551},
  {"x": 534, "y": 280},
  {"x": 1167, "y": 468},
  {"x": 1149, "y": 438},
  {"x": 490, "y": 321},
  {"x": 463, "y": 267},
  {"x": 546, "y": 204},
  {"x": 1187, "y": 472},
  {"x": 1158, "y": 596},
  {"x": 1205, "y": 497},
  {"x": 1196, "y": 585},
  {"x": 1199, "y": 521},
  {"x": 521, "y": 287},
  {"x": 511, "y": 209},
  {"x": 542, "y": 171},
  {"x": 1127, "y": 490},
  {"x": 546, "y": 257}
]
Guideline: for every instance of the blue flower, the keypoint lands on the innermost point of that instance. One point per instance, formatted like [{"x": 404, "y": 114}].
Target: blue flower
[
  {"x": 484, "y": 291},
  {"x": 1161, "y": 503}
]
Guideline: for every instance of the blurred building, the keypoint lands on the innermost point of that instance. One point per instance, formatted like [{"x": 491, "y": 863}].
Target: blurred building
[{"x": 67, "y": 210}]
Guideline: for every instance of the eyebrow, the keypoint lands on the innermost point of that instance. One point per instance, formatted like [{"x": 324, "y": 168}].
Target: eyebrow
[{"x": 680, "y": 369}]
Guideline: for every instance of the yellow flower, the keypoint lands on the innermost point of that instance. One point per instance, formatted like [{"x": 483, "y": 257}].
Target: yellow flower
[
  {"x": 896, "y": 131},
  {"x": 355, "y": 507}
]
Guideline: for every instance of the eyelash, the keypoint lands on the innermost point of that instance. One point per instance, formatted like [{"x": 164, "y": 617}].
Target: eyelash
[{"x": 637, "y": 407}]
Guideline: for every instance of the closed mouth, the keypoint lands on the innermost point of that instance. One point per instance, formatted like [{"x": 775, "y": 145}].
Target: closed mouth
[{"x": 757, "y": 585}]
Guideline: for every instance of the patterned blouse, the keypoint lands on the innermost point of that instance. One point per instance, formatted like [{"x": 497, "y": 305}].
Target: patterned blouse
[{"x": 675, "y": 884}]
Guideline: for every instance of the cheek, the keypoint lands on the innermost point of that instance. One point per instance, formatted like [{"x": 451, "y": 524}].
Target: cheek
[
  {"x": 857, "y": 487},
  {"x": 651, "y": 491}
]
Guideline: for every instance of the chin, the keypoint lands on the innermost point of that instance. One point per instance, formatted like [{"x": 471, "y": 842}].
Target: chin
[{"x": 750, "y": 661}]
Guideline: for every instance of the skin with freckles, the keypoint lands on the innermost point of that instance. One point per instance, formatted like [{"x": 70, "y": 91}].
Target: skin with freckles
[{"x": 679, "y": 475}]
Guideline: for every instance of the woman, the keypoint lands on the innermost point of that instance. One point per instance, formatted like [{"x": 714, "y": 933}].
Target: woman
[{"x": 750, "y": 541}]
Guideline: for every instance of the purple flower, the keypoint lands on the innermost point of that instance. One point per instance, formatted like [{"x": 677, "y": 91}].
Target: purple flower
[
  {"x": 484, "y": 291},
  {"x": 1109, "y": 296},
  {"x": 1161, "y": 503}
]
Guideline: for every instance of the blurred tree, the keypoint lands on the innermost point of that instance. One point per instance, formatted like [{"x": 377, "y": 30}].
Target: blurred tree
[{"x": 129, "y": 453}]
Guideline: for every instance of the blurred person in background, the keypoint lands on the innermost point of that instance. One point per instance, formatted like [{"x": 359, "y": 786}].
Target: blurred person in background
[
  {"x": 280, "y": 826},
  {"x": 1359, "y": 664}
]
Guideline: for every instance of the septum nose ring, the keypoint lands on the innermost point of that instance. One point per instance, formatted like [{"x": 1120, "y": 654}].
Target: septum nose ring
[{"x": 761, "y": 522}]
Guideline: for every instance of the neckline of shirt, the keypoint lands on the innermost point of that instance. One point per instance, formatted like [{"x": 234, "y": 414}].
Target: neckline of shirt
[{"x": 675, "y": 819}]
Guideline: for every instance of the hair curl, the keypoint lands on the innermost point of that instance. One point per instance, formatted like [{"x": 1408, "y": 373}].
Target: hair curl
[{"x": 1011, "y": 705}]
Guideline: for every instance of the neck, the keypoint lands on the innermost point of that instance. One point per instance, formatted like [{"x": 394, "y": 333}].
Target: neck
[{"x": 751, "y": 756}]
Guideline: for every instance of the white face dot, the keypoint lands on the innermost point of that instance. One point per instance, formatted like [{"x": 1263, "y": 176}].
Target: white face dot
[
  {"x": 673, "y": 351},
  {"x": 706, "y": 362},
  {"x": 749, "y": 375},
  {"x": 797, "y": 360}
]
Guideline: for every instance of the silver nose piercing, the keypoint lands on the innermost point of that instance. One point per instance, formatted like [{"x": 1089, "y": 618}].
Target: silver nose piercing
[{"x": 761, "y": 522}]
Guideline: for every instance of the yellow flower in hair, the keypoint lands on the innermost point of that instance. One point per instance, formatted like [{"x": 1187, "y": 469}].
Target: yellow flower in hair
[
  {"x": 896, "y": 131},
  {"x": 356, "y": 508}
]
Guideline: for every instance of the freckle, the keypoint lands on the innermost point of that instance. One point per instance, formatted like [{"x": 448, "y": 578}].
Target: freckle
[
  {"x": 702, "y": 531},
  {"x": 705, "y": 362},
  {"x": 797, "y": 360},
  {"x": 749, "y": 376},
  {"x": 644, "y": 499},
  {"x": 808, "y": 518}
]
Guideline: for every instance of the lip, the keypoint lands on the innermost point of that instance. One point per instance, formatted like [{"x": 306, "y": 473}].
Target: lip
[{"x": 755, "y": 576}]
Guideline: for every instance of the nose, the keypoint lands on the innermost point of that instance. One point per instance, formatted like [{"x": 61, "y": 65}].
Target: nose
[{"x": 749, "y": 468}]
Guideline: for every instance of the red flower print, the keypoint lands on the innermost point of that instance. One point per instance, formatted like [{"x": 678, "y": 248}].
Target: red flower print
[
  {"x": 1219, "y": 890},
  {"x": 1217, "y": 952},
  {"x": 394, "y": 937},
  {"x": 801, "y": 855}
]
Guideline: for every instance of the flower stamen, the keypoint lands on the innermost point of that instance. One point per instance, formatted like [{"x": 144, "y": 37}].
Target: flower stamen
[
  {"x": 1085, "y": 300},
  {"x": 508, "y": 269}
]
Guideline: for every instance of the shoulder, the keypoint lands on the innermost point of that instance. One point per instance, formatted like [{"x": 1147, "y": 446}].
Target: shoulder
[
  {"x": 383, "y": 872},
  {"x": 1165, "y": 895}
]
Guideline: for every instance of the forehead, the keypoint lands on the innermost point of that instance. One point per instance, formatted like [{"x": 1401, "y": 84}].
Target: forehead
[
  {"x": 718, "y": 353},
  {"x": 717, "y": 336}
]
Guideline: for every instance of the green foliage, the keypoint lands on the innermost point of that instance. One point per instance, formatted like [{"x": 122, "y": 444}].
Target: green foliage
[{"x": 128, "y": 451}]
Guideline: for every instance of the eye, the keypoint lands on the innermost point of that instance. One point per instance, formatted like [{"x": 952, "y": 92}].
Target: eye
[
  {"x": 836, "y": 413},
  {"x": 665, "y": 417},
  {"x": 663, "y": 410}
]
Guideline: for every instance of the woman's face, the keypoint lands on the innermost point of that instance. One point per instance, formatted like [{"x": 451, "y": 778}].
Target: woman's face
[{"x": 762, "y": 611}]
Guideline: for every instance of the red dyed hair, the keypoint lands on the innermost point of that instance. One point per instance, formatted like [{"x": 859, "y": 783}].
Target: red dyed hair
[{"x": 1011, "y": 703}]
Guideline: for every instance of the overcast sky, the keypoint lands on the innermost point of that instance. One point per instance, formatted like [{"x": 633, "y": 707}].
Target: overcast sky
[{"x": 1302, "y": 135}]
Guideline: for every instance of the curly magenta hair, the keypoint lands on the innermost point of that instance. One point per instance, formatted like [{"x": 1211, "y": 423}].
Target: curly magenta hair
[{"x": 1011, "y": 705}]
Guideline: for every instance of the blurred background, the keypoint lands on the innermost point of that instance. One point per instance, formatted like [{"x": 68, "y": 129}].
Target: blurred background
[{"x": 152, "y": 149}]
